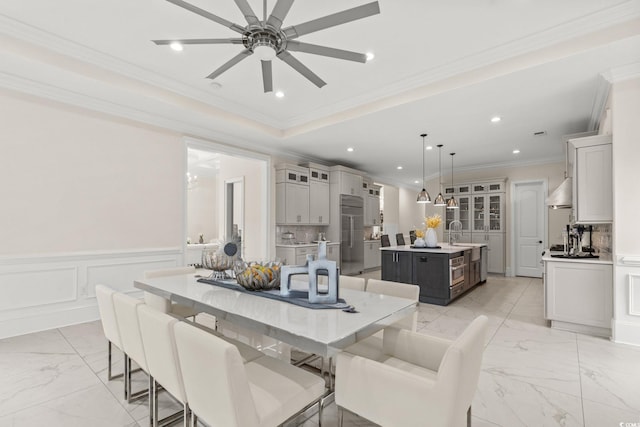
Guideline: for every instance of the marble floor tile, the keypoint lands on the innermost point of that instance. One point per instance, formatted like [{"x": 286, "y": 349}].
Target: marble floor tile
[
  {"x": 35, "y": 367},
  {"x": 93, "y": 406},
  {"x": 600, "y": 415},
  {"x": 610, "y": 373},
  {"x": 511, "y": 403},
  {"x": 531, "y": 375},
  {"x": 545, "y": 358}
]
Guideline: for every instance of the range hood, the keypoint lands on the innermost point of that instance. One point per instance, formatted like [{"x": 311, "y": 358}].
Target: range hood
[{"x": 561, "y": 198}]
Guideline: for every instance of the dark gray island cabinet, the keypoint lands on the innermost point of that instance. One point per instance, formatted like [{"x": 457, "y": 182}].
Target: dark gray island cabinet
[{"x": 430, "y": 269}]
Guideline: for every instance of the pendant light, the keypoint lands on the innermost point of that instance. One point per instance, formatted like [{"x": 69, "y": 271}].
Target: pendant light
[
  {"x": 440, "y": 201},
  {"x": 452, "y": 203},
  {"x": 423, "y": 196}
]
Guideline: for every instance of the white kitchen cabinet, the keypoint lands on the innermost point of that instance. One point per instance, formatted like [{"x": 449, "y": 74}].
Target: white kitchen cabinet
[
  {"x": 333, "y": 252},
  {"x": 319, "y": 201},
  {"x": 292, "y": 203},
  {"x": 292, "y": 194},
  {"x": 579, "y": 296},
  {"x": 372, "y": 254},
  {"x": 495, "y": 249},
  {"x": 348, "y": 183},
  {"x": 297, "y": 255},
  {"x": 487, "y": 212},
  {"x": 593, "y": 179},
  {"x": 462, "y": 214}
]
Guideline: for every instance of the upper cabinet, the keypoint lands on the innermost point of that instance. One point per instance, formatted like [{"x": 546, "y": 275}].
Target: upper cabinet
[
  {"x": 319, "y": 197},
  {"x": 593, "y": 179},
  {"x": 347, "y": 182},
  {"x": 292, "y": 195}
]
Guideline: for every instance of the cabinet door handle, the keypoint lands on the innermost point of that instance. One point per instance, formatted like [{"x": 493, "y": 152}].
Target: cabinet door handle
[{"x": 423, "y": 259}]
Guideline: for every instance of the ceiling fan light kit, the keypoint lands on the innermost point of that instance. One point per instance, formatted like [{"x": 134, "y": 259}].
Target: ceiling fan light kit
[{"x": 268, "y": 40}]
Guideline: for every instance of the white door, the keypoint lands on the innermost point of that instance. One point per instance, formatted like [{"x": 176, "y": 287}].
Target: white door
[{"x": 529, "y": 227}]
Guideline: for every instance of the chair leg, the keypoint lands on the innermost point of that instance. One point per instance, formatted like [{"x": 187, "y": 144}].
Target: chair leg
[
  {"x": 127, "y": 377},
  {"x": 469, "y": 417},
  {"x": 187, "y": 415},
  {"x": 154, "y": 390},
  {"x": 151, "y": 397},
  {"x": 320, "y": 408},
  {"x": 194, "y": 419},
  {"x": 340, "y": 416}
]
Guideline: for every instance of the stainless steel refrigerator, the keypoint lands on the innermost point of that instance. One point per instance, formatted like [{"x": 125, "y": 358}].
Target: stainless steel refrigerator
[{"x": 351, "y": 234}]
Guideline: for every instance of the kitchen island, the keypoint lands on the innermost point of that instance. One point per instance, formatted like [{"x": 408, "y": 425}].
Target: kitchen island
[
  {"x": 578, "y": 293},
  {"x": 443, "y": 273}
]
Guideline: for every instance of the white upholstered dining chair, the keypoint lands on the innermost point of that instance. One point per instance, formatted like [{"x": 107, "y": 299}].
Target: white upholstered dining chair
[
  {"x": 104, "y": 295},
  {"x": 224, "y": 391},
  {"x": 126, "y": 309},
  {"x": 163, "y": 304},
  {"x": 371, "y": 347},
  {"x": 419, "y": 380}
]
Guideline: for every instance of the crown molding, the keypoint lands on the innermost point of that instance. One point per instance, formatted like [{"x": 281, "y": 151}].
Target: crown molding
[
  {"x": 626, "y": 72},
  {"x": 597, "y": 21},
  {"x": 75, "y": 99},
  {"x": 52, "y": 42}
]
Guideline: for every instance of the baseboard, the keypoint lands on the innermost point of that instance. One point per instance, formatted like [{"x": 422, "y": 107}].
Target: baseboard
[{"x": 626, "y": 333}]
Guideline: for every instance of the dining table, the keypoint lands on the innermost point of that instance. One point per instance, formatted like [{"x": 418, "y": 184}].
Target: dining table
[{"x": 322, "y": 331}]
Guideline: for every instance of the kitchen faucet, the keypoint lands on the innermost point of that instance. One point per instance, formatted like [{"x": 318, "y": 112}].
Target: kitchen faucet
[{"x": 455, "y": 231}]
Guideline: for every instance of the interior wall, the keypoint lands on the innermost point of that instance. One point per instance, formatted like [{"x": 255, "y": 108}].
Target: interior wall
[
  {"x": 625, "y": 108},
  {"x": 391, "y": 211},
  {"x": 252, "y": 170},
  {"x": 77, "y": 181},
  {"x": 202, "y": 210}
]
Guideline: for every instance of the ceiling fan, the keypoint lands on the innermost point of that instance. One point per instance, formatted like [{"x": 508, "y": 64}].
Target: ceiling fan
[{"x": 268, "y": 39}]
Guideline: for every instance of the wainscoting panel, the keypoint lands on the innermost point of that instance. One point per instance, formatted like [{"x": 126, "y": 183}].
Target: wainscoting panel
[
  {"x": 51, "y": 291},
  {"x": 39, "y": 286}
]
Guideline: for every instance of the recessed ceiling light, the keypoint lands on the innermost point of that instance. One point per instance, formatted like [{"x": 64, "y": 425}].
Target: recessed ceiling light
[
  {"x": 399, "y": 168},
  {"x": 516, "y": 151},
  {"x": 370, "y": 56},
  {"x": 176, "y": 46},
  {"x": 350, "y": 149},
  {"x": 215, "y": 85},
  {"x": 279, "y": 94},
  {"x": 429, "y": 147},
  {"x": 495, "y": 119},
  {"x": 416, "y": 182}
]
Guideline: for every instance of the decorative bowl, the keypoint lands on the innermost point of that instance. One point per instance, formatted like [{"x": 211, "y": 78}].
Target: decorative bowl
[
  {"x": 216, "y": 260},
  {"x": 258, "y": 276}
]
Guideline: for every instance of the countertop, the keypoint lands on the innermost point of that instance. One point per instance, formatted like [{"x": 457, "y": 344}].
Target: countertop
[
  {"x": 604, "y": 258},
  {"x": 371, "y": 240},
  {"x": 303, "y": 245},
  {"x": 445, "y": 248}
]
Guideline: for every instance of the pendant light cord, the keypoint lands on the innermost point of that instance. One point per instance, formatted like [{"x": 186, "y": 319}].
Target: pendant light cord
[
  {"x": 452, "y": 154},
  {"x": 423, "y": 150}
]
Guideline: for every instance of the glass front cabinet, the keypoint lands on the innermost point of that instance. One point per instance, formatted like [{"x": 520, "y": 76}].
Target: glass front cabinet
[{"x": 488, "y": 212}]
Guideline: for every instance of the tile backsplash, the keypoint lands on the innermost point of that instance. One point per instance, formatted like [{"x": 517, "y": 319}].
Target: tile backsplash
[
  {"x": 302, "y": 233},
  {"x": 601, "y": 238}
]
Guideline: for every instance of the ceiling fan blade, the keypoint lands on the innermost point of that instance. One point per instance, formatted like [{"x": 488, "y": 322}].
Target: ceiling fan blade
[
  {"x": 230, "y": 63},
  {"x": 297, "y": 46},
  {"x": 267, "y": 76},
  {"x": 301, "y": 68},
  {"x": 280, "y": 11},
  {"x": 332, "y": 20},
  {"x": 198, "y": 41},
  {"x": 246, "y": 10},
  {"x": 183, "y": 4}
]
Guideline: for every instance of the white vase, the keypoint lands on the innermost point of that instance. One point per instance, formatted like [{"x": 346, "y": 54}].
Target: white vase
[
  {"x": 419, "y": 243},
  {"x": 431, "y": 238}
]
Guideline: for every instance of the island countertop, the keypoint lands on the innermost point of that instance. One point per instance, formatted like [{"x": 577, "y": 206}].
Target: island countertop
[{"x": 445, "y": 248}]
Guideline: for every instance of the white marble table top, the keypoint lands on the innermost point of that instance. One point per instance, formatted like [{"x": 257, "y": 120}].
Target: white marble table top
[{"x": 324, "y": 332}]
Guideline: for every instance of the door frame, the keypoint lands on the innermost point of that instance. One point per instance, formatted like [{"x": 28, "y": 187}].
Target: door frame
[
  {"x": 511, "y": 268},
  {"x": 268, "y": 232}
]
